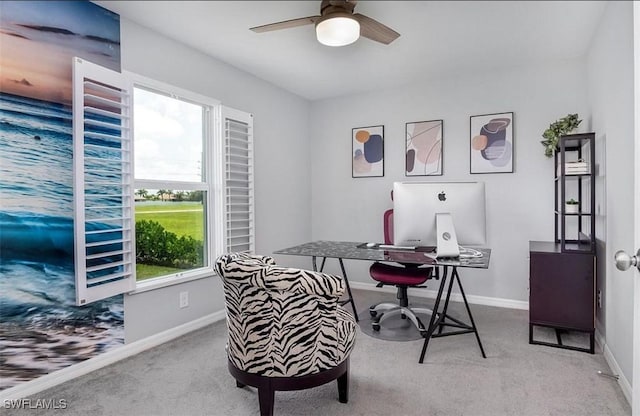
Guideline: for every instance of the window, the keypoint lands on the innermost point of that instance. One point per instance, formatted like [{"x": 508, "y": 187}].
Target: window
[
  {"x": 172, "y": 183},
  {"x": 163, "y": 182}
]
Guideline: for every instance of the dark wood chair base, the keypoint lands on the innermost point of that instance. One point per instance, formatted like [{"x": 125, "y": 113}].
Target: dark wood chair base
[{"x": 267, "y": 386}]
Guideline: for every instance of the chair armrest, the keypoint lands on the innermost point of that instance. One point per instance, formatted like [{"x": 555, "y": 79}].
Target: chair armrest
[{"x": 303, "y": 281}]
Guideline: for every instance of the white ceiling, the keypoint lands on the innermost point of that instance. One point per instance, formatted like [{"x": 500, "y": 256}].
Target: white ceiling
[{"x": 437, "y": 37}]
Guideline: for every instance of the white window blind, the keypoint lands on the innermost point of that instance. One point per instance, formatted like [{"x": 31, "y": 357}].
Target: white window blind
[
  {"x": 103, "y": 175},
  {"x": 239, "y": 180}
]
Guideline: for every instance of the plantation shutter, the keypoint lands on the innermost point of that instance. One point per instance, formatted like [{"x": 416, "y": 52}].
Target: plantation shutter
[
  {"x": 238, "y": 183},
  {"x": 103, "y": 178}
]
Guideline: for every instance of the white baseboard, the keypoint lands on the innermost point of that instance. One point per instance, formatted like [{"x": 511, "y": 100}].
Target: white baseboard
[
  {"x": 456, "y": 297},
  {"x": 35, "y": 386},
  {"x": 615, "y": 369}
]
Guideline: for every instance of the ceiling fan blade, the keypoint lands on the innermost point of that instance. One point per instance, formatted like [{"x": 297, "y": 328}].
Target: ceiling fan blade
[
  {"x": 374, "y": 30},
  {"x": 287, "y": 24}
]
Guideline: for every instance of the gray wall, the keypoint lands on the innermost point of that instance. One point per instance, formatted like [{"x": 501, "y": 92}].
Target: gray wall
[
  {"x": 519, "y": 204},
  {"x": 282, "y": 176},
  {"x": 610, "y": 86},
  {"x": 342, "y": 208}
]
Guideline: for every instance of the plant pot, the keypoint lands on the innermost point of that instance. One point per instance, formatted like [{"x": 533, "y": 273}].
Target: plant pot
[{"x": 571, "y": 208}]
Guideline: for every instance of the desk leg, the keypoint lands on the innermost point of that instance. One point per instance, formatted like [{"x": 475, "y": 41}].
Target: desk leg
[
  {"x": 346, "y": 281},
  {"x": 473, "y": 324},
  {"x": 446, "y": 302},
  {"x": 315, "y": 265},
  {"x": 436, "y": 318},
  {"x": 441, "y": 322}
]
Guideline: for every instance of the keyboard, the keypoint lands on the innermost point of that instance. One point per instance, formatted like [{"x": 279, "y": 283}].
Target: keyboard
[{"x": 394, "y": 247}]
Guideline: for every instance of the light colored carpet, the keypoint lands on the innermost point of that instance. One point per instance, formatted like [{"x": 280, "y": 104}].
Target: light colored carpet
[{"x": 188, "y": 376}]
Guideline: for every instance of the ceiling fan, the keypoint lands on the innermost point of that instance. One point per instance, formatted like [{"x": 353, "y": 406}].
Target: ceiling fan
[{"x": 338, "y": 25}]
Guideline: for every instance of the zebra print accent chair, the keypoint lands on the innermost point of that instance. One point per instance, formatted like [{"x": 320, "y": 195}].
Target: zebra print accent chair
[{"x": 286, "y": 328}]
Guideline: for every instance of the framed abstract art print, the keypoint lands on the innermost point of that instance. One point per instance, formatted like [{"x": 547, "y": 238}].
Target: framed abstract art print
[
  {"x": 367, "y": 152},
  {"x": 423, "y": 148},
  {"x": 491, "y": 143}
]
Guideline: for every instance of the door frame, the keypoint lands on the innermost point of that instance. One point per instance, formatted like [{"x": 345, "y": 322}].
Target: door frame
[{"x": 635, "y": 403}]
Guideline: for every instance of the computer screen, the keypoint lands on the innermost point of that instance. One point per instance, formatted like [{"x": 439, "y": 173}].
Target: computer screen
[{"x": 417, "y": 204}]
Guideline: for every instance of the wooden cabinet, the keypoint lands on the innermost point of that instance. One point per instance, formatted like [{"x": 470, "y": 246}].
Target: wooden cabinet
[
  {"x": 561, "y": 292},
  {"x": 562, "y": 284}
]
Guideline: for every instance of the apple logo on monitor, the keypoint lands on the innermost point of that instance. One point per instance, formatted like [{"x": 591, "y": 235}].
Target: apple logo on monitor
[{"x": 442, "y": 196}]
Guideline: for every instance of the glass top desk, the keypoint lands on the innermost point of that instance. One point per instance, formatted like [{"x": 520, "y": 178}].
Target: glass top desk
[{"x": 358, "y": 251}]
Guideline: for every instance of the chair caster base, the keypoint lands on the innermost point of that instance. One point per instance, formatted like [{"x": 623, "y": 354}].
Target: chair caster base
[{"x": 401, "y": 311}]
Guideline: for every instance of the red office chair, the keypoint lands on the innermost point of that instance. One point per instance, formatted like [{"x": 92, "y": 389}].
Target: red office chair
[{"x": 401, "y": 276}]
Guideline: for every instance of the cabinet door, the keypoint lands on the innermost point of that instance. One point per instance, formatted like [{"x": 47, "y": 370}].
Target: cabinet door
[{"x": 562, "y": 290}]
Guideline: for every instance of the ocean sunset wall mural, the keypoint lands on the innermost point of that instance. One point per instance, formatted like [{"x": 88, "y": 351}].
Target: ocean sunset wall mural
[{"x": 41, "y": 329}]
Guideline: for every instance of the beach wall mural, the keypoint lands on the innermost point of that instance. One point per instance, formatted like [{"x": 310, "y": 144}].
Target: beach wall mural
[{"x": 41, "y": 329}]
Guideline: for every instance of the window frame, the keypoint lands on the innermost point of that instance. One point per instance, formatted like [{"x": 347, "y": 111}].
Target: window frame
[
  {"x": 213, "y": 160},
  {"x": 221, "y": 200}
]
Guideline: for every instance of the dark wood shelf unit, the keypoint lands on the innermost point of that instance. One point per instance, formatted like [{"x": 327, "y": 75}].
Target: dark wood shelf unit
[
  {"x": 562, "y": 284},
  {"x": 581, "y": 147}
]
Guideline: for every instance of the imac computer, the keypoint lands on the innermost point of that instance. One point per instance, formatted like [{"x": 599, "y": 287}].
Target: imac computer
[{"x": 440, "y": 214}]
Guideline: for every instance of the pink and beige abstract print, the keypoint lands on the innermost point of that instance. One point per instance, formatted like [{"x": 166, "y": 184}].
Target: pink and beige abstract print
[{"x": 424, "y": 148}]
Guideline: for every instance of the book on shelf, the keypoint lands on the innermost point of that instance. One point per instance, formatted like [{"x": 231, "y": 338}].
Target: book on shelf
[{"x": 575, "y": 168}]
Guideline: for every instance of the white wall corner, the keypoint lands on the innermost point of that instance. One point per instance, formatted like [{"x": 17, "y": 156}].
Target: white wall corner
[
  {"x": 625, "y": 385},
  {"x": 600, "y": 340}
]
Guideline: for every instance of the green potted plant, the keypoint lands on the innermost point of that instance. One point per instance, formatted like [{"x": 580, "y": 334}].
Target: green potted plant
[
  {"x": 571, "y": 206},
  {"x": 556, "y": 129}
]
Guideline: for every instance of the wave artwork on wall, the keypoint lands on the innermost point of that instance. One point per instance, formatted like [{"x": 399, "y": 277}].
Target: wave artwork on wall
[{"x": 41, "y": 329}]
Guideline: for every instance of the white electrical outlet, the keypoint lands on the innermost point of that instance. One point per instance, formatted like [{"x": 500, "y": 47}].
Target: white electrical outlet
[
  {"x": 600, "y": 299},
  {"x": 184, "y": 299}
]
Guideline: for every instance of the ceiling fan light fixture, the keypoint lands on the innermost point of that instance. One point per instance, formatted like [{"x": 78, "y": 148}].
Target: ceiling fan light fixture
[{"x": 338, "y": 30}]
